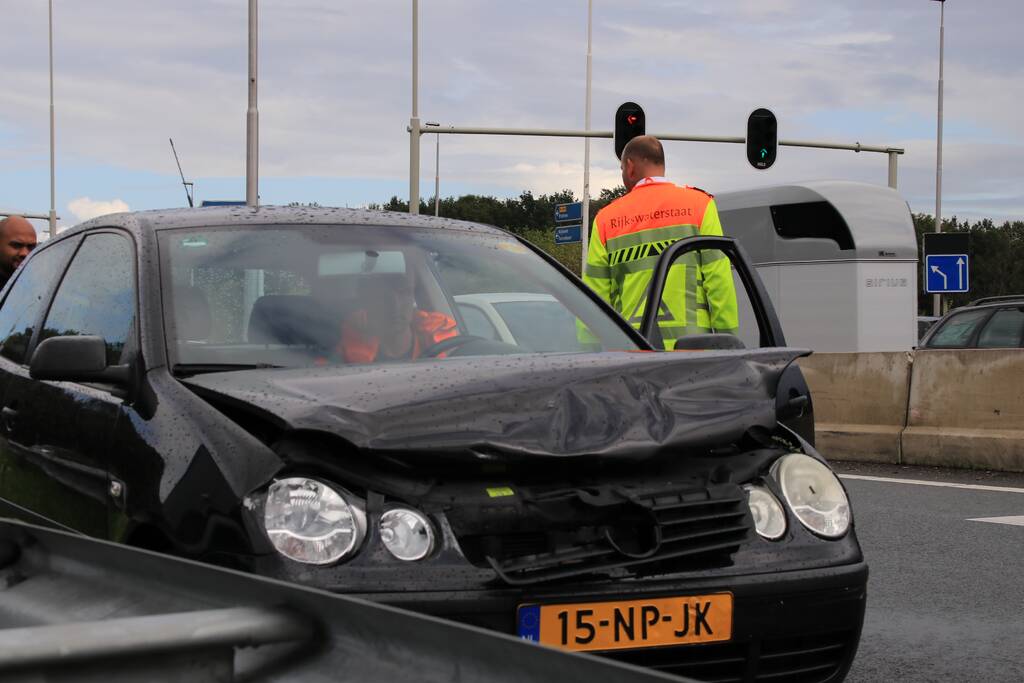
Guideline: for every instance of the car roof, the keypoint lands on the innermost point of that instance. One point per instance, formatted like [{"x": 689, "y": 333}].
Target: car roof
[
  {"x": 166, "y": 219},
  {"x": 983, "y": 304},
  {"x": 996, "y": 300},
  {"x": 988, "y": 302}
]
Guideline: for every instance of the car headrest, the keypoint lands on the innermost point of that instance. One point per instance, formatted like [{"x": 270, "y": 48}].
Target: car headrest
[
  {"x": 191, "y": 314},
  {"x": 292, "y": 319}
]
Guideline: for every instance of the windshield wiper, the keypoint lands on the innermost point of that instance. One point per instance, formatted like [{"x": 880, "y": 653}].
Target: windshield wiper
[{"x": 188, "y": 369}]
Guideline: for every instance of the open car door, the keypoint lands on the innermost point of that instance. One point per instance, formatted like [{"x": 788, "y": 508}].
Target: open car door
[{"x": 758, "y": 324}]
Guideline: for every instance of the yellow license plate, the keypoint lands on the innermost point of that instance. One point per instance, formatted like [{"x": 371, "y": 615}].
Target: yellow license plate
[{"x": 629, "y": 623}]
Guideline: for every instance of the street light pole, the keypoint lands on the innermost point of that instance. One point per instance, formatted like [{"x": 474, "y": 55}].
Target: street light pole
[
  {"x": 585, "y": 214},
  {"x": 414, "y": 120},
  {"x": 53, "y": 181},
  {"x": 252, "y": 151},
  {"x": 937, "y": 298}
]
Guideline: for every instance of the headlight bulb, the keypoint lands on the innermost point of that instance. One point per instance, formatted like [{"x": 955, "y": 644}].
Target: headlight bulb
[
  {"x": 765, "y": 508},
  {"x": 814, "y": 494},
  {"x": 308, "y": 521},
  {"x": 407, "y": 534}
]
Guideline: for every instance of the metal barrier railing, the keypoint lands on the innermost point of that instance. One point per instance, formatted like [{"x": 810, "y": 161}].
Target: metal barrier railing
[{"x": 72, "y": 607}]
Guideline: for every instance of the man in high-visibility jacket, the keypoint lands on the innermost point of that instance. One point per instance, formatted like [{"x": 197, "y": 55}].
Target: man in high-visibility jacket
[
  {"x": 390, "y": 327},
  {"x": 630, "y": 233}
]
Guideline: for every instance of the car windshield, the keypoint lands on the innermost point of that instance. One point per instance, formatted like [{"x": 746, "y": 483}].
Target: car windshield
[{"x": 294, "y": 296}]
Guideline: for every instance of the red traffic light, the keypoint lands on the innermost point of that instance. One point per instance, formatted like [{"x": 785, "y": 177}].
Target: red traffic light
[{"x": 629, "y": 123}]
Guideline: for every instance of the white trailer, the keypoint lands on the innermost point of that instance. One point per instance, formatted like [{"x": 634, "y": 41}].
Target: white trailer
[{"x": 838, "y": 258}]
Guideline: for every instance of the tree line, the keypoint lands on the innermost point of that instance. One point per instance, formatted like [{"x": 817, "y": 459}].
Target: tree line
[
  {"x": 997, "y": 250},
  {"x": 532, "y": 217}
]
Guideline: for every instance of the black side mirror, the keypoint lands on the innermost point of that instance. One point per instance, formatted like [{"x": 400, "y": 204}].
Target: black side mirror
[{"x": 77, "y": 359}]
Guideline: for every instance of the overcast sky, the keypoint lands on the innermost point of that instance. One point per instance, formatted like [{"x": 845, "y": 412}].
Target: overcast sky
[{"x": 335, "y": 96}]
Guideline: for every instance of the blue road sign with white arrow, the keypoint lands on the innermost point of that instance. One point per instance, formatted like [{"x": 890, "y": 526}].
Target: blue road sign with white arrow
[
  {"x": 947, "y": 273},
  {"x": 567, "y": 234},
  {"x": 572, "y": 211}
]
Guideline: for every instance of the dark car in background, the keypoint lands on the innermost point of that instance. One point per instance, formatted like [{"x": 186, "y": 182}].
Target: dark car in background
[
  {"x": 990, "y": 323},
  {"x": 182, "y": 381}
]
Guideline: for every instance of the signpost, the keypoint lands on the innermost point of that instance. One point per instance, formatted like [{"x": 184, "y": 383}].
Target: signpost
[
  {"x": 947, "y": 273},
  {"x": 222, "y": 202},
  {"x": 947, "y": 263},
  {"x": 569, "y": 212},
  {"x": 568, "y": 234}
]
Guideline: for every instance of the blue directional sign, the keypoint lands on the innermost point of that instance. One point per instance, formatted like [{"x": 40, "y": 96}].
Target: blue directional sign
[
  {"x": 567, "y": 234},
  {"x": 947, "y": 273},
  {"x": 569, "y": 212},
  {"x": 222, "y": 202}
]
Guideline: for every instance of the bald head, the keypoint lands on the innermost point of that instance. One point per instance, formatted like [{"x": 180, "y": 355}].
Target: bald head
[
  {"x": 643, "y": 156},
  {"x": 17, "y": 240}
]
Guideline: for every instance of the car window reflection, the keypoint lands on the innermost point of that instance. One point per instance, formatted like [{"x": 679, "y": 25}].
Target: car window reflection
[{"x": 317, "y": 295}]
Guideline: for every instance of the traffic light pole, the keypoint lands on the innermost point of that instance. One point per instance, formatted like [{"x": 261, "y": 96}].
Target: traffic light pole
[
  {"x": 416, "y": 131},
  {"x": 585, "y": 213},
  {"x": 4, "y": 213},
  {"x": 52, "y": 216},
  {"x": 252, "y": 115}
]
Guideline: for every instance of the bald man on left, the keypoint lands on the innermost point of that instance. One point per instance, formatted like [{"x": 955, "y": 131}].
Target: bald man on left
[{"x": 17, "y": 240}]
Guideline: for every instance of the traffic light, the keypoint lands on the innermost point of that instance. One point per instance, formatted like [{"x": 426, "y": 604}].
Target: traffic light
[
  {"x": 762, "y": 138},
  {"x": 629, "y": 122}
]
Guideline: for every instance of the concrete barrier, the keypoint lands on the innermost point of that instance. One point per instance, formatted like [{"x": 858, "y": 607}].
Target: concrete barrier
[
  {"x": 966, "y": 409},
  {"x": 860, "y": 403}
]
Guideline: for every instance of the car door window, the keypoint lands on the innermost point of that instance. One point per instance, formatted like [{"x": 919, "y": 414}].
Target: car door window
[
  {"x": 97, "y": 295},
  {"x": 25, "y": 301},
  {"x": 958, "y": 330},
  {"x": 1003, "y": 330}
]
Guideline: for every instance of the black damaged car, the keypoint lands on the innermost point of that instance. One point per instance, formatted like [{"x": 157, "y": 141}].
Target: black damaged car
[{"x": 312, "y": 395}]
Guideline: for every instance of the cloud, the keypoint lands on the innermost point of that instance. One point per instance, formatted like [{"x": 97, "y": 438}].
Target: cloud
[
  {"x": 85, "y": 208},
  {"x": 851, "y": 39},
  {"x": 335, "y": 95}
]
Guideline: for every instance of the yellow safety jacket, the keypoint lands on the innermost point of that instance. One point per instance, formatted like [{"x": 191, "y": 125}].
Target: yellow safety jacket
[{"x": 628, "y": 236}]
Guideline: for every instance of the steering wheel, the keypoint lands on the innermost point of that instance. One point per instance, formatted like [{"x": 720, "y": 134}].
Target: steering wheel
[{"x": 449, "y": 344}]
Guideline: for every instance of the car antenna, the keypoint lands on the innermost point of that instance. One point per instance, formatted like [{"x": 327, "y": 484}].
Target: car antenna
[{"x": 189, "y": 187}]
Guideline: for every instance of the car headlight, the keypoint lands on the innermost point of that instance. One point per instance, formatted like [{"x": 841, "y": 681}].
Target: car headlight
[
  {"x": 310, "y": 522},
  {"x": 407, "y": 534},
  {"x": 765, "y": 508},
  {"x": 814, "y": 494}
]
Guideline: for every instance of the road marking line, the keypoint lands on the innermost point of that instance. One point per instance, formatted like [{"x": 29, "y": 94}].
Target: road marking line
[
  {"x": 1016, "y": 521},
  {"x": 944, "y": 484}
]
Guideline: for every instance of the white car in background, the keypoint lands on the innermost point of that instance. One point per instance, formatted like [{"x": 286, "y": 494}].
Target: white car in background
[{"x": 515, "y": 318}]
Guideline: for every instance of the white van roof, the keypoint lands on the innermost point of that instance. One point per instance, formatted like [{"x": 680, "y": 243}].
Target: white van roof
[{"x": 794, "y": 222}]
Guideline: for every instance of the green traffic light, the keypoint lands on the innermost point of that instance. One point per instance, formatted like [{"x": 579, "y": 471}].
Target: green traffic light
[{"x": 764, "y": 153}]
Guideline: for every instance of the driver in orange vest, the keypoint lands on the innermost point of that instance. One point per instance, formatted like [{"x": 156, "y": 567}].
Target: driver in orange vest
[{"x": 390, "y": 327}]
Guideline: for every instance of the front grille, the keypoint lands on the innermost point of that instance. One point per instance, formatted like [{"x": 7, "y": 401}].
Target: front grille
[
  {"x": 794, "y": 659},
  {"x": 644, "y": 532}
]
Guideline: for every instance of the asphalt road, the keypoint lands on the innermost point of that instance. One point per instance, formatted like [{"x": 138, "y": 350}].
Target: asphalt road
[{"x": 946, "y": 593}]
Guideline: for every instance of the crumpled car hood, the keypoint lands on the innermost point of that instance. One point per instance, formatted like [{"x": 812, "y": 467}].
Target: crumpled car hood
[{"x": 615, "y": 404}]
